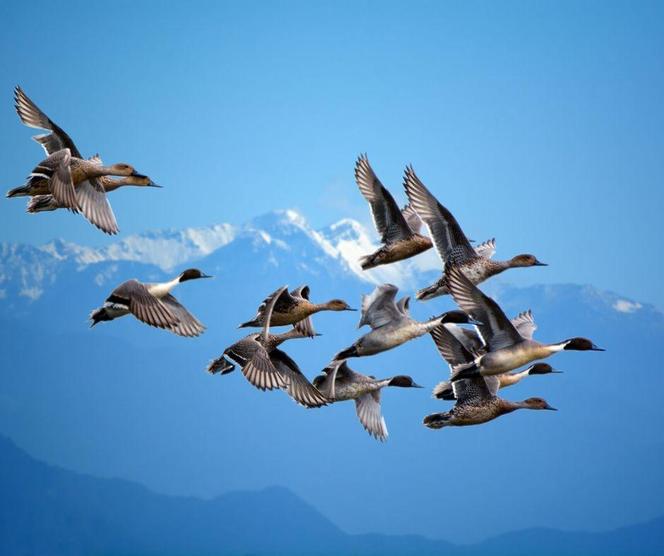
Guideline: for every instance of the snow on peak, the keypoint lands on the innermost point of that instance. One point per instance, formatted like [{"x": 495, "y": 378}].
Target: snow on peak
[{"x": 625, "y": 306}]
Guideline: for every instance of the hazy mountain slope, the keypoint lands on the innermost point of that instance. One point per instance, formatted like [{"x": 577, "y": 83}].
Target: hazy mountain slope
[{"x": 126, "y": 400}]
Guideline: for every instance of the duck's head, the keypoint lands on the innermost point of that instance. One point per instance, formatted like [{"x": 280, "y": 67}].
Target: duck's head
[
  {"x": 339, "y": 305},
  {"x": 192, "y": 274},
  {"x": 124, "y": 169},
  {"x": 140, "y": 180},
  {"x": 403, "y": 381},
  {"x": 526, "y": 260},
  {"x": 457, "y": 317},
  {"x": 541, "y": 369},
  {"x": 581, "y": 344},
  {"x": 537, "y": 403}
]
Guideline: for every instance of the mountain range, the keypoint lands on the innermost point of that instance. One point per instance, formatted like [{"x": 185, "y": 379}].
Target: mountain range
[
  {"x": 49, "y": 510},
  {"x": 125, "y": 400}
]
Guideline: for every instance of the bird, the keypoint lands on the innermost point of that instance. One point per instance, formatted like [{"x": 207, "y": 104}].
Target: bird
[
  {"x": 506, "y": 348},
  {"x": 399, "y": 229},
  {"x": 476, "y": 399},
  {"x": 444, "y": 391},
  {"x": 152, "y": 304},
  {"x": 296, "y": 309},
  {"x": 44, "y": 203},
  {"x": 265, "y": 366},
  {"x": 338, "y": 382},
  {"x": 391, "y": 323},
  {"x": 452, "y": 245},
  {"x": 65, "y": 174}
]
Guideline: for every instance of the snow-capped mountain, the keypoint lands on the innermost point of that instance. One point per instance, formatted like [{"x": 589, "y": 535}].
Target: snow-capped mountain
[{"x": 124, "y": 384}]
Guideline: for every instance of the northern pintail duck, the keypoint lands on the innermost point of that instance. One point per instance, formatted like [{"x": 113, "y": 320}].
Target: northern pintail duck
[
  {"x": 152, "y": 304},
  {"x": 267, "y": 367},
  {"x": 44, "y": 203},
  {"x": 444, "y": 390},
  {"x": 391, "y": 323},
  {"x": 65, "y": 174},
  {"x": 472, "y": 341},
  {"x": 399, "y": 229},
  {"x": 476, "y": 399},
  {"x": 295, "y": 308},
  {"x": 339, "y": 382},
  {"x": 452, "y": 245},
  {"x": 506, "y": 347}
]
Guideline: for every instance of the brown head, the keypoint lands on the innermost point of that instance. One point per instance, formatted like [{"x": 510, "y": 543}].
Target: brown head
[
  {"x": 525, "y": 260},
  {"x": 139, "y": 180},
  {"x": 537, "y": 403},
  {"x": 338, "y": 305}
]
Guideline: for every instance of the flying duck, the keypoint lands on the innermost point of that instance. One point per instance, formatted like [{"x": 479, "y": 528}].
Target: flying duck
[
  {"x": 44, "y": 203},
  {"x": 152, "y": 304},
  {"x": 296, "y": 309},
  {"x": 452, "y": 245},
  {"x": 339, "y": 382},
  {"x": 72, "y": 180},
  {"x": 391, "y": 323},
  {"x": 265, "y": 366},
  {"x": 506, "y": 347},
  {"x": 399, "y": 229},
  {"x": 476, "y": 399}
]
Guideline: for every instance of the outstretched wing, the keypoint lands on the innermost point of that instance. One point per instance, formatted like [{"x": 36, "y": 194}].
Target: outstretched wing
[
  {"x": 143, "y": 305},
  {"x": 368, "y": 411},
  {"x": 496, "y": 329},
  {"x": 33, "y": 117},
  {"x": 486, "y": 249},
  {"x": 298, "y": 388},
  {"x": 379, "y": 307},
  {"x": 525, "y": 324},
  {"x": 447, "y": 235},
  {"x": 188, "y": 325},
  {"x": 94, "y": 205},
  {"x": 387, "y": 217}
]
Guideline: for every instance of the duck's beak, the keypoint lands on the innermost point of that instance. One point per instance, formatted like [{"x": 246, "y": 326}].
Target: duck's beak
[
  {"x": 556, "y": 372},
  {"x": 550, "y": 408},
  {"x": 595, "y": 348},
  {"x": 539, "y": 263},
  {"x": 475, "y": 322},
  {"x": 349, "y": 309},
  {"x": 153, "y": 184},
  {"x": 205, "y": 276},
  {"x": 415, "y": 385}
]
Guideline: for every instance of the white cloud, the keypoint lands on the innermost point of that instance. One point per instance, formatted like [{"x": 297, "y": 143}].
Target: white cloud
[{"x": 624, "y": 306}]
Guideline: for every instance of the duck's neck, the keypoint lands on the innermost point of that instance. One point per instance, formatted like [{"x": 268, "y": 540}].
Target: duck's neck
[
  {"x": 112, "y": 185},
  {"x": 290, "y": 334},
  {"x": 507, "y": 406},
  {"x": 508, "y": 379},
  {"x": 555, "y": 348},
  {"x": 160, "y": 290}
]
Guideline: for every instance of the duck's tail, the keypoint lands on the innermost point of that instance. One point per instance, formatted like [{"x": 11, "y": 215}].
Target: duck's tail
[
  {"x": 443, "y": 391},
  {"x": 346, "y": 353},
  {"x": 99, "y": 315},
  {"x": 41, "y": 203},
  {"x": 220, "y": 365},
  {"x": 368, "y": 261},
  {"x": 21, "y": 191},
  {"x": 466, "y": 370}
]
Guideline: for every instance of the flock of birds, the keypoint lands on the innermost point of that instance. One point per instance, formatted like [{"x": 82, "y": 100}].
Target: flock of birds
[{"x": 480, "y": 355}]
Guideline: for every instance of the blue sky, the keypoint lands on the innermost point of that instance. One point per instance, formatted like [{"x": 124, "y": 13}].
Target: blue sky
[{"x": 541, "y": 124}]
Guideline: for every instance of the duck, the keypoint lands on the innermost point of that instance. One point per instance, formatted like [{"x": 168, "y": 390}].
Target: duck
[
  {"x": 153, "y": 304},
  {"x": 444, "y": 391},
  {"x": 399, "y": 229},
  {"x": 265, "y": 366},
  {"x": 476, "y": 397},
  {"x": 45, "y": 203},
  {"x": 391, "y": 323},
  {"x": 452, "y": 245},
  {"x": 65, "y": 174},
  {"x": 295, "y": 308},
  {"x": 338, "y": 382},
  {"x": 506, "y": 348}
]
